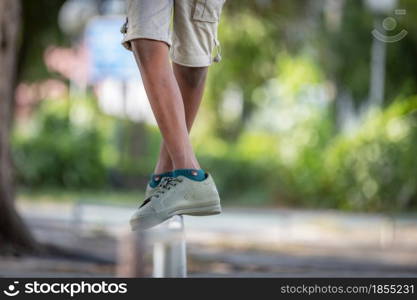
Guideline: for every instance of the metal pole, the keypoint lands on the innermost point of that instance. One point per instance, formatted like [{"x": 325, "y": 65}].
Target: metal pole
[
  {"x": 131, "y": 255},
  {"x": 169, "y": 249}
]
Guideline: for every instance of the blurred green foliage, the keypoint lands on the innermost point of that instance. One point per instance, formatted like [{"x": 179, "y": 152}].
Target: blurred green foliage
[
  {"x": 370, "y": 168},
  {"x": 268, "y": 128},
  {"x": 70, "y": 143},
  {"x": 375, "y": 168},
  {"x": 58, "y": 151}
]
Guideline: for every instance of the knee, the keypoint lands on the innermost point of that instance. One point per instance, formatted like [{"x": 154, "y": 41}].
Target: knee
[
  {"x": 193, "y": 76},
  {"x": 147, "y": 50}
]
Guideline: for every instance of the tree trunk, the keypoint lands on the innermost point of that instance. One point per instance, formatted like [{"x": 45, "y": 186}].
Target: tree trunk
[{"x": 13, "y": 232}]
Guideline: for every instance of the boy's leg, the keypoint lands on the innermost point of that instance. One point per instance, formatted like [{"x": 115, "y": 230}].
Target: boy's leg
[
  {"x": 147, "y": 33},
  {"x": 195, "y": 26},
  {"x": 195, "y": 36},
  {"x": 191, "y": 81},
  {"x": 166, "y": 100}
]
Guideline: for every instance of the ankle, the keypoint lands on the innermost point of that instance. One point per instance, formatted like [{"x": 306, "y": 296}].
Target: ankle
[
  {"x": 189, "y": 164},
  {"x": 163, "y": 168}
]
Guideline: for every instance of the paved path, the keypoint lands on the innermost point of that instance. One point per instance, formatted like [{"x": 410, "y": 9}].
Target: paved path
[{"x": 243, "y": 242}]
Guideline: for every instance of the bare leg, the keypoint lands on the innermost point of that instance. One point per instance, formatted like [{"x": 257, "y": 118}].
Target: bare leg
[
  {"x": 191, "y": 82},
  {"x": 166, "y": 100}
]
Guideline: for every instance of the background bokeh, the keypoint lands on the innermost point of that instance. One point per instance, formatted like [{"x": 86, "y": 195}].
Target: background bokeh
[{"x": 289, "y": 120}]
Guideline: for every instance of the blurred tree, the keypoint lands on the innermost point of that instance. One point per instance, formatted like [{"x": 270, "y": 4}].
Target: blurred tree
[
  {"x": 13, "y": 232},
  {"x": 335, "y": 33},
  {"x": 344, "y": 40},
  {"x": 39, "y": 30},
  {"x": 251, "y": 49}
]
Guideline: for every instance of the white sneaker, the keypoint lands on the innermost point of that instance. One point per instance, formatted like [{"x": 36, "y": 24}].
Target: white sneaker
[
  {"x": 149, "y": 191},
  {"x": 177, "y": 196}
]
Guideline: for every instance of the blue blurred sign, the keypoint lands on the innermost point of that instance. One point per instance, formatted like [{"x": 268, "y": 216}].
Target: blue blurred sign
[{"x": 107, "y": 57}]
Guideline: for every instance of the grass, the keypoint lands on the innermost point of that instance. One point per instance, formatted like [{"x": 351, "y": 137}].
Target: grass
[{"x": 104, "y": 196}]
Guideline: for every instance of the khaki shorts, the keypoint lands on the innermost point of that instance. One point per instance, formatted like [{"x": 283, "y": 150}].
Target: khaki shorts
[{"x": 193, "y": 38}]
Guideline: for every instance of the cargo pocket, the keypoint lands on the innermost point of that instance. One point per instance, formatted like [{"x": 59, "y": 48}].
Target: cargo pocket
[{"x": 208, "y": 10}]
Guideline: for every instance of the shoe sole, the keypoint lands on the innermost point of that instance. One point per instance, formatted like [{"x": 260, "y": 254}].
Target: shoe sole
[
  {"x": 199, "y": 211},
  {"x": 148, "y": 222}
]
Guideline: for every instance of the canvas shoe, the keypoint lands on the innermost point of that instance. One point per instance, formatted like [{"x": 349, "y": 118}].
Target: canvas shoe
[
  {"x": 149, "y": 191},
  {"x": 177, "y": 196},
  {"x": 155, "y": 181}
]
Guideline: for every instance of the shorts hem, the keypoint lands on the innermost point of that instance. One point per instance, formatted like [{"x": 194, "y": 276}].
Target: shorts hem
[
  {"x": 128, "y": 38},
  {"x": 195, "y": 61}
]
